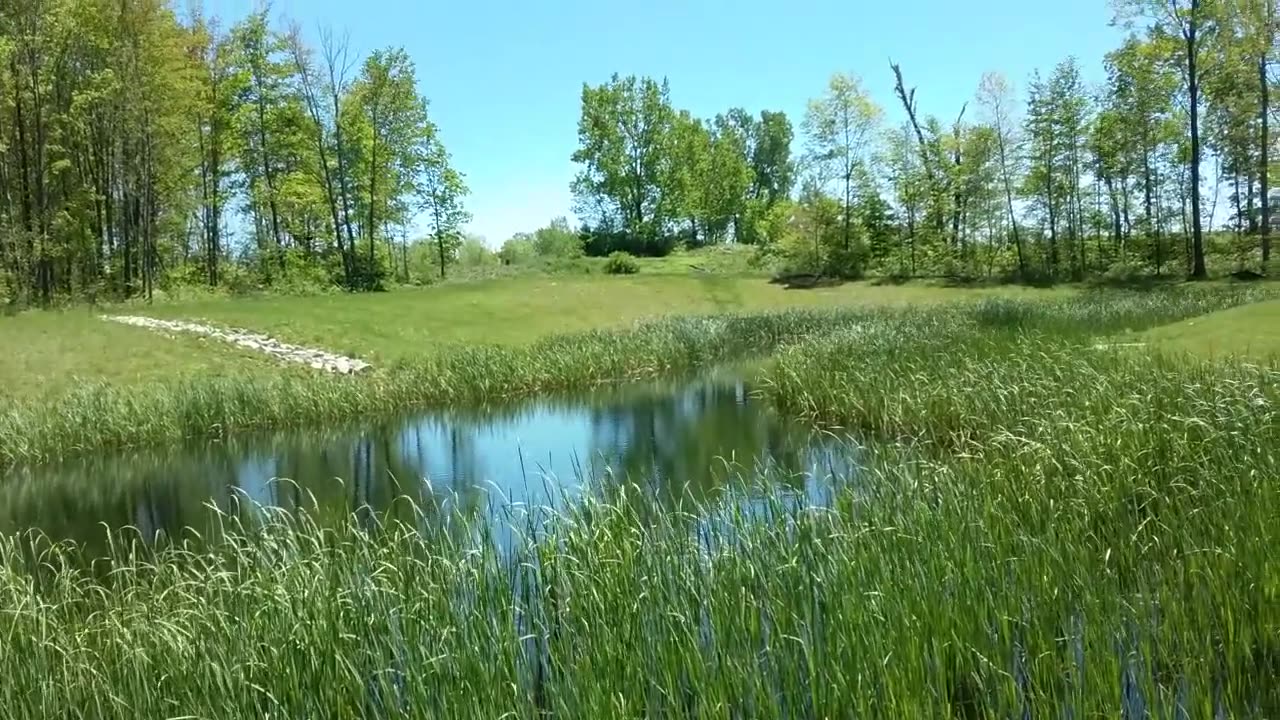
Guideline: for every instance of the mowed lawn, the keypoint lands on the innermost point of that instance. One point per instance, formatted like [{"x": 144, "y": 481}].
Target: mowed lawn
[
  {"x": 1250, "y": 331},
  {"x": 50, "y": 353},
  {"x": 383, "y": 327}
]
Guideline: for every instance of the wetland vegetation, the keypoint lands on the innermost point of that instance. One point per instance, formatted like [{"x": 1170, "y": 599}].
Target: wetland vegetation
[
  {"x": 843, "y": 409},
  {"x": 1028, "y": 521}
]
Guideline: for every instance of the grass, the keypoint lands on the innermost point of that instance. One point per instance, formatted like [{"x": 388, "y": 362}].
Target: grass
[
  {"x": 97, "y": 415},
  {"x": 48, "y": 354},
  {"x": 389, "y": 327},
  {"x": 1252, "y": 331},
  {"x": 45, "y": 355},
  {"x": 1059, "y": 532},
  {"x": 102, "y": 415}
]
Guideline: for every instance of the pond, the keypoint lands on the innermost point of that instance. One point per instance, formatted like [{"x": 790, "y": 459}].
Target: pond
[{"x": 679, "y": 440}]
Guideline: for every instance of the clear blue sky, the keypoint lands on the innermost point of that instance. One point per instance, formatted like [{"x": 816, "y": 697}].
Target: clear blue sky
[{"x": 504, "y": 78}]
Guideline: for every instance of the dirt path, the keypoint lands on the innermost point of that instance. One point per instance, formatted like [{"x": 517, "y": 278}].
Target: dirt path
[{"x": 317, "y": 359}]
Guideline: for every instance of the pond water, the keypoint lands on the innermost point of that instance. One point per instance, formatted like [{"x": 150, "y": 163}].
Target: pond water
[{"x": 678, "y": 440}]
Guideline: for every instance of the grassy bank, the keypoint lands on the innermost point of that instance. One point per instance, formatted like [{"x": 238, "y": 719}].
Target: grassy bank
[
  {"x": 44, "y": 355},
  {"x": 96, "y": 416},
  {"x": 48, "y": 354},
  {"x": 1069, "y": 532},
  {"x": 404, "y": 325},
  {"x": 1252, "y": 331},
  {"x": 104, "y": 415}
]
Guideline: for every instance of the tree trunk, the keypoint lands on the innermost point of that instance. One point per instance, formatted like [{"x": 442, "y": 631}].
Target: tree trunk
[
  {"x": 1198, "y": 270},
  {"x": 373, "y": 191},
  {"x": 1264, "y": 165},
  {"x": 1008, "y": 195}
]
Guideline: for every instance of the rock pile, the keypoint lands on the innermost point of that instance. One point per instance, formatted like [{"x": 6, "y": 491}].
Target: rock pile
[{"x": 318, "y": 359}]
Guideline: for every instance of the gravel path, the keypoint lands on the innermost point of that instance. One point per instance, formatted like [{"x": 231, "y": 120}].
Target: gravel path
[{"x": 318, "y": 359}]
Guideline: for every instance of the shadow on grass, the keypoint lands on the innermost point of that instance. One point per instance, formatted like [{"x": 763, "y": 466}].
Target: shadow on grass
[{"x": 806, "y": 281}]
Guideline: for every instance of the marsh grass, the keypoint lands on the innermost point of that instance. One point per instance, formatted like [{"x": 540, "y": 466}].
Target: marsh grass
[
  {"x": 101, "y": 416},
  {"x": 1065, "y": 533},
  {"x": 987, "y": 587}
]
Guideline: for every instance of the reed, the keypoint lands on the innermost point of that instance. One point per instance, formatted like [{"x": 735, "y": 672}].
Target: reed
[
  {"x": 103, "y": 416},
  {"x": 1062, "y": 530}
]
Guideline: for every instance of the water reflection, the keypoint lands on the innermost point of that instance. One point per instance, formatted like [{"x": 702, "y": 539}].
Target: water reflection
[{"x": 678, "y": 441}]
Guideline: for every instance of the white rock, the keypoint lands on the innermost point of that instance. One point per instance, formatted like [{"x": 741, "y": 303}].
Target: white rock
[{"x": 317, "y": 359}]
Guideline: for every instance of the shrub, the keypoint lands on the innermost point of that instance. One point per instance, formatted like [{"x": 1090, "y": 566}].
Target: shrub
[{"x": 621, "y": 263}]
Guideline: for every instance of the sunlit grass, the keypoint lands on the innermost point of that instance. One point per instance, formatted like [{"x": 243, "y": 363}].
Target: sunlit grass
[
  {"x": 1063, "y": 531},
  {"x": 103, "y": 415}
]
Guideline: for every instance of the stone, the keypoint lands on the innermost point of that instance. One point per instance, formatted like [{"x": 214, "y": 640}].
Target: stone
[{"x": 315, "y": 358}]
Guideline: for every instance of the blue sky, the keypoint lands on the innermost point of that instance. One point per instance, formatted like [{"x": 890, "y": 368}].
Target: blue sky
[{"x": 504, "y": 78}]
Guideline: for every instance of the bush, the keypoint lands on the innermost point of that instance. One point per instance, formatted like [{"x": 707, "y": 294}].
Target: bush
[
  {"x": 621, "y": 263},
  {"x": 368, "y": 274}
]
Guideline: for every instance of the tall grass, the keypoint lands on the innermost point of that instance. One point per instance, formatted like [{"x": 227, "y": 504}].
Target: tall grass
[
  {"x": 1069, "y": 532},
  {"x": 104, "y": 416},
  {"x": 98, "y": 416}
]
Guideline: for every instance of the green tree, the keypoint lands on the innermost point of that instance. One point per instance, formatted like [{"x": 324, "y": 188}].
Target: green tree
[
  {"x": 265, "y": 74},
  {"x": 1136, "y": 121},
  {"x": 441, "y": 192},
  {"x": 623, "y": 137},
  {"x": 910, "y": 190},
  {"x": 688, "y": 169},
  {"x": 729, "y": 179},
  {"x": 557, "y": 240},
  {"x": 840, "y": 127},
  {"x": 1190, "y": 22},
  {"x": 995, "y": 94},
  {"x": 393, "y": 137}
]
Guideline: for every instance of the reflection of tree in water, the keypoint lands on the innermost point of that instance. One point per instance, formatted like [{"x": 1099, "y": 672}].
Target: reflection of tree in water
[
  {"x": 692, "y": 442},
  {"x": 673, "y": 440}
]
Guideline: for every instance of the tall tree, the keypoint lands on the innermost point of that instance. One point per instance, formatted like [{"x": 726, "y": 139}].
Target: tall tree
[
  {"x": 995, "y": 94},
  {"x": 840, "y": 126},
  {"x": 1256, "y": 24},
  {"x": 688, "y": 169},
  {"x": 391, "y": 118},
  {"x": 324, "y": 128},
  {"x": 623, "y": 137},
  {"x": 1190, "y": 21},
  {"x": 441, "y": 192},
  {"x": 772, "y": 169},
  {"x": 216, "y": 108},
  {"x": 263, "y": 98}
]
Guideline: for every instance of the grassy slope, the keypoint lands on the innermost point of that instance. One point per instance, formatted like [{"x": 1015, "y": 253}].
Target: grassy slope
[
  {"x": 403, "y": 324},
  {"x": 1250, "y": 331},
  {"x": 50, "y": 353}
]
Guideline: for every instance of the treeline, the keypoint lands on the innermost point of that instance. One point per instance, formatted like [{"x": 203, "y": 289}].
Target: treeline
[
  {"x": 137, "y": 147},
  {"x": 1074, "y": 182}
]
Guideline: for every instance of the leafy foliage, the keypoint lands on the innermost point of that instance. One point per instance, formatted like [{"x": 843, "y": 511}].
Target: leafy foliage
[{"x": 621, "y": 263}]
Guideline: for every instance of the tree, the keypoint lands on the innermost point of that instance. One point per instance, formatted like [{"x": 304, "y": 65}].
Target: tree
[
  {"x": 325, "y": 126},
  {"x": 216, "y": 109},
  {"x": 558, "y": 240},
  {"x": 262, "y": 103},
  {"x": 1190, "y": 21},
  {"x": 995, "y": 94},
  {"x": 1253, "y": 25},
  {"x": 910, "y": 186},
  {"x": 391, "y": 125},
  {"x": 623, "y": 137},
  {"x": 442, "y": 190},
  {"x": 840, "y": 126},
  {"x": 729, "y": 179},
  {"x": 688, "y": 169}
]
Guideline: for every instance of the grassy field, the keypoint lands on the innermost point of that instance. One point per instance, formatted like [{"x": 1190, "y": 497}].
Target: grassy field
[
  {"x": 48, "y": 354},
  {"x": 1040, "y": 529},
  {"x": 120, "y": 386},
  {"x": 1252, "y": 331},
  {"x": 391, "y": 326},
  {"x": 44, "y": 355}
]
